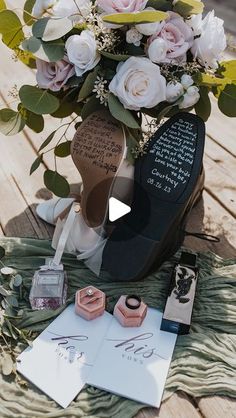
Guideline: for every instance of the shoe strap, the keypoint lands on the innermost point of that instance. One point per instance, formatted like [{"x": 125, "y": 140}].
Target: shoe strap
[
  {"x": 199, "y": 235},
  {"x": 75, "y": 208}
]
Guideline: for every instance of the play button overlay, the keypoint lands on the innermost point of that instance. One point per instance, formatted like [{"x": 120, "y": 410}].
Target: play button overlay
[{"x": 117, "y": 209}]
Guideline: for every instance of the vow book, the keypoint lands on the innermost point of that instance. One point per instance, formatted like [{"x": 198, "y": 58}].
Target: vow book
[
  {"x": 134, "y": 362},
  {"x": 62, "y": 356}
]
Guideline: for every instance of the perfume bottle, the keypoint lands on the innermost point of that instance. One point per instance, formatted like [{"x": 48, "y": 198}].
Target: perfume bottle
[{"x": 49, "y": 289}]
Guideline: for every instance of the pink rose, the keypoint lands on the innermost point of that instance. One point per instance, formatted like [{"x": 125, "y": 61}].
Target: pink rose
[
  {"x": 177, "y": 39},
  {"x": 121, "y": 6},
  {"x": 54, "y": 75}
]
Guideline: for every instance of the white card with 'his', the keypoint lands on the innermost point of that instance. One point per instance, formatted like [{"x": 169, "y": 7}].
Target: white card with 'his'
[
  {"x": 134, "y": 362},
  {"x": 63, "y": 354}
]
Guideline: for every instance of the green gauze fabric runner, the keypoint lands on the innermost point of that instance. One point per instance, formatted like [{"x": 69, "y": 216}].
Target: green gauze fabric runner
[{"x": 204, "y": 362}]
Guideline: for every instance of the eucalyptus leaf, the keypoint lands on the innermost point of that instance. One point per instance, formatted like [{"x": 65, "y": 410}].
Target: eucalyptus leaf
[
  {"x": 12, "y": 301},
  {"x": 9, "y": 311},
  {"x": 47, "y": 140},
  {"x": 27, "y": 15},
  {"x": 115, "y": 57},
  {"x": 33, "y": 121},
  {"x": 203, "y": 106},
  {"x": 63, "y": 150},
  {"x": 136, "y": 18},
  {"x": 3, "y": 291},
  {"x": 11, "y": 29},
  {"x": 2, "y": 252},
  {"x": 36, "y": 164},
  {"x": 120, "y": 113},
  {"x": 208, "y": 80},
  {"x": 227, "y": 100},
  {"x": 88, "y": 85},
  {"x": 66, "y": 109},
  {"x": 11, "y": 122},
  {"x": 13, "y": 331},
  {"x": 227, "y": 70},
  {"x": 37, "y": 100},
  {"x": 50, "y": 29},
  {"x": 7, "y": 365},
  {"x": 92, "y": 105},
  {"x": 188, "y": 7},
  {"x": 17, "y": 280},
  {"x": 2, "y": 5},
  {"x": 3, "y": 304},
  {"x": 46, "y": 51},
  {"x": 56, "y": 183},
  {"x": 163, "y": 5}
]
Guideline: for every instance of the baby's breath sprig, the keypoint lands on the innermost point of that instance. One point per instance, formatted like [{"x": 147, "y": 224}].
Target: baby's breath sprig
[
  {"x": 14, "y": 92},
  {"x": 101, "y": 90}
]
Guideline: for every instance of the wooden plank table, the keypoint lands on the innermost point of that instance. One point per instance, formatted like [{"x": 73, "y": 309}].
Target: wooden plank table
[{"x": 215, "y": 213}]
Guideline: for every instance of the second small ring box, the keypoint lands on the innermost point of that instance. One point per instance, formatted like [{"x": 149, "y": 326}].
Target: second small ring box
[
  {"x": 129, "y": 317},
  {"x": 90, "y": 302}
]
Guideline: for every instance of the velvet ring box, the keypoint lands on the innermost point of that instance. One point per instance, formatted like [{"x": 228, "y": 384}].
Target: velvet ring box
[
  {"x": 90, "y": 302},
  {"x": 129, "y": 317}
]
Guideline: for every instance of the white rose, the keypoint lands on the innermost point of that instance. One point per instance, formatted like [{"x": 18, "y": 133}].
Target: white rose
[
  {"x": 138, "y": 83},
  {"x": 157, "y": 50},
  {"x": 195, "y": 22},
  {"x": 212, "y": 42},
  {"x": 82, "y": 51},
  {"x": 191, "y": 97},
  {"x": 41, "y": 6},
  {"x": 174, "y": 91},
  {"x": 148, "y": 29},
  {"x": 133, "y": 37},
  {"x": 77, "y": 10},
  {"x": 186, "y": 81}
]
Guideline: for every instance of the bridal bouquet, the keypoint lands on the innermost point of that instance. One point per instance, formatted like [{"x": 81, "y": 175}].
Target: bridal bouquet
[{"x": 140, "y": 59}]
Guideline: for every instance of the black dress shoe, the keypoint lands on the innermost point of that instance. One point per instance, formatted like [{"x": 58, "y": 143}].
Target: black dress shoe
[{"x": 168, "y": 181}]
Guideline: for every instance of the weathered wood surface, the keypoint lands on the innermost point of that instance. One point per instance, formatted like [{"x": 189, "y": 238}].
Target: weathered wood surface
[{"x": 215, "y": 213}]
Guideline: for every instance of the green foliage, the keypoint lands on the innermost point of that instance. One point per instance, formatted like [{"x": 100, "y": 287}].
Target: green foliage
[
  {"x": 2, "y": 5},
  {"x": 50, "y": 29},
  {"x": 11, "y": 122},
  {"x": 11, "y": 29},
  {"x": 120, "y": 113},
  {"x": 56, "y": 183},
  {"x": 227, "y": 100},
  {"x": 36, "y": 164},
  {"x": 92, "y": 105},
  {"x": 28, "y": 7},
  {"x": 88, "y": 85},
  {"x": 163, "y": 5},
  {"x": 135, "y": 18},
  {"x": 208, "y": 80},
  {"x": 47, "y": 140},
  {"x": 63, "y": 150},
  {"x": 46, "y": 51},
  {"x": 227, "y": 70},
  {"x": 66, "y": 109},
  {"x": 33, "y": 121},
  {"x": 203, "y": 106},
  {"x": 38, "y": 101},
  {"x": 115, "y": 57},
  {"x": 188, "y": 7}
]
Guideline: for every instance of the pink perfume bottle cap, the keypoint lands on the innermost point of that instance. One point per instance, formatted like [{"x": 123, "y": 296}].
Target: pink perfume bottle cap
[
  {"x": 130, "y": 311},
  {"x": 90, "y": 302}
]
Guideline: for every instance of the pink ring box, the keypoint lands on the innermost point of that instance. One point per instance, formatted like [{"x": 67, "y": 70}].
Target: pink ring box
[
  {"x": 129, "y": 317},
  {"x": 90, "y": 302}
]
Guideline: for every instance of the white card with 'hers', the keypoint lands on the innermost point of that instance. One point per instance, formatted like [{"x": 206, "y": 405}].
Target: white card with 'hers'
[{"x": 62, "y": 356}]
